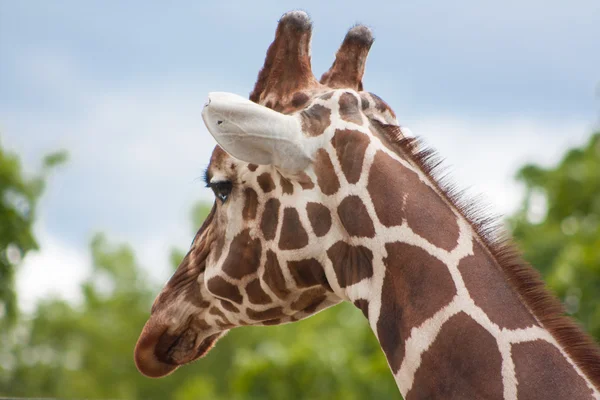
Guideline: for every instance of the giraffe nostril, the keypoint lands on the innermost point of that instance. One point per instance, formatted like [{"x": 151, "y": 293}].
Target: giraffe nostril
[{"x": 219, "y": 122}]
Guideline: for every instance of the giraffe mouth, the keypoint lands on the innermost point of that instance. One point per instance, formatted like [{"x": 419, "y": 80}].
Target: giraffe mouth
[
  {"x": 159, "y": 353},
  {"x": 182, "y": 349}
]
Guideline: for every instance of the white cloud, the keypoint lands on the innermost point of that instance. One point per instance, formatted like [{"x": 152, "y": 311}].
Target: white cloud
[{"x": 56, "y": 270}]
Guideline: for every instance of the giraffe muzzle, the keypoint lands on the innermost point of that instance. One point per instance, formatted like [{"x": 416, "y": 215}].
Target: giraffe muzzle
[{"x": 158, "y": 353}]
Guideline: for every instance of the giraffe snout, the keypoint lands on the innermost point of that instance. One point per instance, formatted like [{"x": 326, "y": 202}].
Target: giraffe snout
[
  {"x": 145, "y": 357},
  {"x": 159, "y": 352}
]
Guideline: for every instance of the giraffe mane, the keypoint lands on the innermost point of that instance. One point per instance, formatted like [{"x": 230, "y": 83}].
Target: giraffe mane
[{"x": 522, "y": 277}]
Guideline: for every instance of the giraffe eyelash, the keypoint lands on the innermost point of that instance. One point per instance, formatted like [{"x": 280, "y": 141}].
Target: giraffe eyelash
[{"x": 206, "y": 177}]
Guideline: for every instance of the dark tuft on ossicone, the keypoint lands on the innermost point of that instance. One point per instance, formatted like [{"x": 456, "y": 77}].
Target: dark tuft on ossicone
[
  {"x": 297, "y": 19},
  {"x": 362, "y": 34}
]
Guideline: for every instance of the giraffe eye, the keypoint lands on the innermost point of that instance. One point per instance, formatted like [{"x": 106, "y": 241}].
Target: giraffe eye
[{"x": 221, "y": 189}]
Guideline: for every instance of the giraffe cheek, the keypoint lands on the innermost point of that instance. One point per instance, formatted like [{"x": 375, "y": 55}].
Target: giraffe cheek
[{"x": 244, "y": 256}]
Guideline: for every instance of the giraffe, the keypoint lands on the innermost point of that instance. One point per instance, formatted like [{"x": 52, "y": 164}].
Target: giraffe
[{"x": 321, "y": 198}]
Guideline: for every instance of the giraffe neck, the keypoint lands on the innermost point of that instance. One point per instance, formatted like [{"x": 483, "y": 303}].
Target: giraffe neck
[{"x": 448, "y": 319}]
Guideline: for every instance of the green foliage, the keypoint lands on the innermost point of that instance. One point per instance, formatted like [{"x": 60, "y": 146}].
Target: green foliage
[
  {"x": 565, "y": 242},
  {"x": 55, "y": 159},
  {"x": 18, "y": 199}
]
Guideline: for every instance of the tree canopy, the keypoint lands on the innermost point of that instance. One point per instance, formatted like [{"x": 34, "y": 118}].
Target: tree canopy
[{"x": 19, "y": 195}]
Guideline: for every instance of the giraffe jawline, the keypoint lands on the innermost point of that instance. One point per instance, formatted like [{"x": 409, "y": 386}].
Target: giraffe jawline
[
  {"x": 182, "y": 350},
  {"x": 206, "y": 345}
]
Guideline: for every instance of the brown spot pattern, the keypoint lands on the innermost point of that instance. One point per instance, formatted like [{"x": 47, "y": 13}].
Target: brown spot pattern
[
  {"x": 543, "y": 373},
  {"x": 381, "y": 105},
  {"x": 194, "y": 297},
  {"x": 252, "y": 167},
  {"x": 326, "y": 177},
  {"x": 307, "y": 273},
  {"x": 489, "y": 289},
  {"x": 364, "y": 101},
  {"x": 416, "y": 285},
  {"x": 293, "y": 235},
  {"x": 363, "y": 305},
  {"x": 315, "y": 120},
  {"x": 326, "y": 96},
  {"x": 349, "y": 110},
  {"x": 355, "y": 218},
  {"x": 221, "y": 288},
  {"x": 309, "y": 299},
  {"x": 269, "y": 313},
  {"x": 228, "y": 306},
  {"x": 305, "y": 182},
  {"x": 390, "y": 183},
  {"x": 385, "y": 190},
  {"x": 350, "y": 147},
  {"x": 265, "y": 182},
  {"x": 351, "y": 264},
  {"x": 286, "y": 185},
  {"x": 462, "y": 363},
  {"x": 244, "y": 255},
  {"x": 270, "y": 322},
  {"x": 217, "y": 312},
  {"x": 273, "y": 276},
  {"x": 250, "y": 204},
  {"x": 256, "y": 294},
  {"x": 299, "y": 99},
  {"x": 270, "y": 219},
  {"x": 319, "y": 217}
]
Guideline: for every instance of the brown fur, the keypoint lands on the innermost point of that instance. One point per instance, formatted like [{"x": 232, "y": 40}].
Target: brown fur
[
  {"x": 293, "y": 235},
  {"x": 349, "y": 108},
  {"x": 287, "y": 67},
  {"x": 351, "y": 264},
  {"x": 524, "y": 279},
  {"x": 350, "y": 147},
  {"x": 315, "y": 120},
  {"x": 349, "y": 66},
  {"x": 265, "y": 182},
  {"x": 355, "y": 218},
  {"x": 326, "y": 178},
  {"x": 319, "y": 217},
  {"x": 309, "y": 299},
  {"x": 451, "y": 370},
  {"x": 270, "y": 219},
  {"x": 548, "y": 382}
]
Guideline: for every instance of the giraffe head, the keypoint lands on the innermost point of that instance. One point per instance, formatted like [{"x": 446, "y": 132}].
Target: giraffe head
[{"x": 278, "y": 244}]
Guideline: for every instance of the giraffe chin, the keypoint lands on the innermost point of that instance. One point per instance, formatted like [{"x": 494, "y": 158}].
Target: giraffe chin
[{"x": 159, "y": 355}]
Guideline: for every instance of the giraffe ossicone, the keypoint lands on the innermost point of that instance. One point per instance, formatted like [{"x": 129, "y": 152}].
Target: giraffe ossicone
[{"x": 320, "y": 198}]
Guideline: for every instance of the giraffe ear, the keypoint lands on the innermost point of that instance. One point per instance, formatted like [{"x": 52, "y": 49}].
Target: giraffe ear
[{"x": 254, "y": 133}]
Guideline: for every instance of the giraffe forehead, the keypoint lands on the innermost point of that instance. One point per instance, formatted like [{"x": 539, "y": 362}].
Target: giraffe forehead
[{"x": 223, "y": 166}]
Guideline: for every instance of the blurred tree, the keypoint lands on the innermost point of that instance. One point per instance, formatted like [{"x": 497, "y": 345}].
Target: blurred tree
[
  {"x": 18, "y": 199},
  {"x": 558, "y": 227}
]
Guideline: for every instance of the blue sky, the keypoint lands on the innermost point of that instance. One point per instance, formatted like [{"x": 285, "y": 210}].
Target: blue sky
[{"x": 121, "y": 85}]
